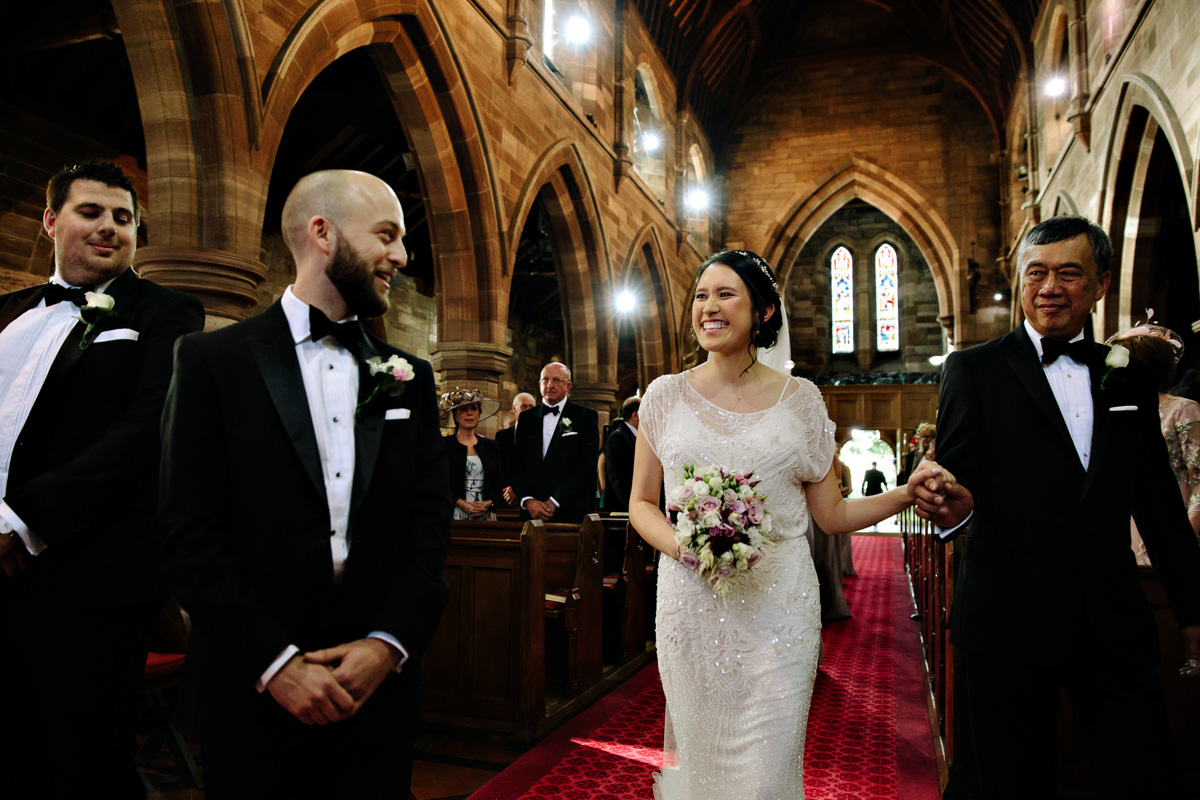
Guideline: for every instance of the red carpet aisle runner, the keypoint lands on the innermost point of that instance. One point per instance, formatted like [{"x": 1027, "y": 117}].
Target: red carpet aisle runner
[{"x": 858, "y": 747}]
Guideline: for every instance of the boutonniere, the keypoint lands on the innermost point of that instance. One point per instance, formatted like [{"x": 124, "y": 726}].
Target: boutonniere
[
  {"x": 99, "y": 308},
  {"x": 390, "y": 377},
  {"x": 566, "y": 424},
  {"x": 1117, "y": 358}
]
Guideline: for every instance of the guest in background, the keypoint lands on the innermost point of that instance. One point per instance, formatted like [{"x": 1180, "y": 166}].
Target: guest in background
[
  {"x": 874, "y": 481},
  {"x": 1162, "y": 348},
  {"x": 618, "y": 457},
  {"x": 830, "y": 555},
  {"x": 476, "y": 476},
  {"x": 505, "y": 437},
  {"x": 846, "y": 486}
]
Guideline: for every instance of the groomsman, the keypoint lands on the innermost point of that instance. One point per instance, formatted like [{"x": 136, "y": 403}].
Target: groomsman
[
  {"x": 84, "y": 365},
  {"x": 1048, "y": 595},
  {"x": 555, "y": 452},
  {"x": 307, "y": 514},
  {"x": 618, "y": 457}
]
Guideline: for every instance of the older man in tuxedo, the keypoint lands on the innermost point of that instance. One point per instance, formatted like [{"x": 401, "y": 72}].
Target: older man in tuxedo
[
  {"x": 1048, "y": 595},
  {"x": 505, "y": 437},
  {"x": 555, "y": 452},
  {"x": 84, "y": 365},
  {"x": 307, "y": 514}
]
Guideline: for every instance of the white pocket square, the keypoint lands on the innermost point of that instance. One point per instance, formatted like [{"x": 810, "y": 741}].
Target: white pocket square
[
  {"x": 572, "y": 433},
  {"x": 397, "y": 413},
  {"x": 1124, "y": 408},
  {"x": 116, "y": 335}
]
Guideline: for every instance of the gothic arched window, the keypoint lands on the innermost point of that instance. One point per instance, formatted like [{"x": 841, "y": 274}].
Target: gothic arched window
[
  {"x": 887, "y": 315},
  {"x": 842, "y": 272}
]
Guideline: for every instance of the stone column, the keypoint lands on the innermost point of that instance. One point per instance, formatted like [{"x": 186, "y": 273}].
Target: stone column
[
  {"x": 598, "y": 396},
  {"x": 474, "y": 365},
  {"x": 226, "y": 283}
]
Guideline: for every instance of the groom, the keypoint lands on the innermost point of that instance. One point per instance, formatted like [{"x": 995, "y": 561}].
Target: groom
[
  {"x": 1048, "y": 594},
  {"x": 305, "y": 501}
]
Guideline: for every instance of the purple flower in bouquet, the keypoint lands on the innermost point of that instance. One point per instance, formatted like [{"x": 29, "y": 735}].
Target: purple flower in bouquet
[
  {"x": 726, "y": 571},
  {"x": 737, "y": 507},
  {"x": 754, "y": 510},
  {"x": 729, "y": 495},
  {"x": 706, "y": 504},
  {"x": 689, "y": 561},
  {"x": 754, "y": 558}
]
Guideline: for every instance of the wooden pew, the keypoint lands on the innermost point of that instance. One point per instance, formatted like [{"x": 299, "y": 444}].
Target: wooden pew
[
  {"x": 625, "y": 580},
  {"x": 485, "y": 667},
  {"x": 574, "y": 581}
]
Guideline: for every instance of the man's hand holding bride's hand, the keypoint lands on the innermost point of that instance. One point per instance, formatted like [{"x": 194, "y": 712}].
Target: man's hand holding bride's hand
[{"x": 939, "y": 497}]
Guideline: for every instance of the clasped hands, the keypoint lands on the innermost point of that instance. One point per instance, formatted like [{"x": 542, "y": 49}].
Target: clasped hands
[
  {"x": 938, "y": 496},
  {"x": 332, "y": 684},
  {"x": 540, "y": 509}
]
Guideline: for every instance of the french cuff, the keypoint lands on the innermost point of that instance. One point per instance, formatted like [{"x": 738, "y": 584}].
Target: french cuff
[
  {"x": 556, "y": 503},
  {"x": 33, "y": 542},
  {"x": 387, "y": 638},
  {"x": 523, "y": 500},
  {"x": 275, "y": 666},
  {"x": 946, "y": 534}
]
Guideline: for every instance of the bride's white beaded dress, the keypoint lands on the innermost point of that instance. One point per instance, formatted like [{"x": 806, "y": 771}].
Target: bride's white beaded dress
[{"x": 738, "y": 673}]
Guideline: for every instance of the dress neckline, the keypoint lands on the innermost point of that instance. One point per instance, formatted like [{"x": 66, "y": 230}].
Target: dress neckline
[{"x": 695, "y": 391}]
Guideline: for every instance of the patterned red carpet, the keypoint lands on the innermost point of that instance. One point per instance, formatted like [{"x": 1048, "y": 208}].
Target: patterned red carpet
[{"x": 868, "y": 733}]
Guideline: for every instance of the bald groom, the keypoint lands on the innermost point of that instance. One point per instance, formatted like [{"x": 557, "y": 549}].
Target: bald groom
[{"x": 306, "y": 508}]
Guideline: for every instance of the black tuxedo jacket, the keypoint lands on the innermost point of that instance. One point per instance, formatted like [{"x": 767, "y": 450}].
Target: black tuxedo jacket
[
  {"x": 568, "y": 472},
  {"x": 493, "y": 475},
  {"x": 247, "y": 548},
  {"x": 504, "y": 440},
  {"x": 84, "y": 471},
  {"x": 1048, "y": 548},
  {"x": 618, "y": 467}
]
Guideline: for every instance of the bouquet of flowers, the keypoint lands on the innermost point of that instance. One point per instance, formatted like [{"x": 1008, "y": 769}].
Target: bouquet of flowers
[{"x": 719, "y": 521}]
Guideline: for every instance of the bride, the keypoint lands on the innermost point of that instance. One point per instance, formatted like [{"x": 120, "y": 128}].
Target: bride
[{"x": 738, "y": 672}]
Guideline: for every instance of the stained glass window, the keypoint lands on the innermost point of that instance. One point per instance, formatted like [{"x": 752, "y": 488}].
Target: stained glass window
[
  {"x": 842, "y": 271},
  {"x": 887, "y": 317}
]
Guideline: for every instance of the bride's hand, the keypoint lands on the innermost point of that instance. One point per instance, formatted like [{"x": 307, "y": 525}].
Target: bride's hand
[{"x": 928, "y": 480}]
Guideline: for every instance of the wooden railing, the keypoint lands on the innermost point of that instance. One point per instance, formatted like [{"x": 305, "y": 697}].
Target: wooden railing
[{"x": 931, "y": 571}]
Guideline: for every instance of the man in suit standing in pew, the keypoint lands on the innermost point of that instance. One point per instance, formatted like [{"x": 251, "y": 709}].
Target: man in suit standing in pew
[
  {"x": 618, "y": 457},
  {"x": 554, "y": 453},
  {"x": 505, "y": 437},
  {"x": 84, "y": 365},
  {"x": 1048, "y": 594},
  {"x": 307, "y": 515}
]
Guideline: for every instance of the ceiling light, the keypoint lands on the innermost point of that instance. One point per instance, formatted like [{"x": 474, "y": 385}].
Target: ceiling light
[
  {"x": 651, "y": 141},
  {"x": 1056, "y": 86},
  {"x": 626, "y": 301},
  {"x": 697, "y": 199},
  {"x": 579, "y": 30}
]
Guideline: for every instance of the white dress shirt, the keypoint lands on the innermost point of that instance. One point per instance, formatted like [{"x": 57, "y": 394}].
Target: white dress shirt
[
  {"x": 549, "y": 423},
  {"x": 28, "y": 348},
  {"x": 330, "y": 375},
  {"x": 1071, "y": 383}
]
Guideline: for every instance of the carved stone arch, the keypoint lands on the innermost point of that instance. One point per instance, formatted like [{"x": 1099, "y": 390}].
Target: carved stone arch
[
  {"x": 417, "y": 61},
  {"x": 561, "y": 181},
  {"x": 902, "y": 202},
  {"x": 1062, "y": 204},
  {"x": 1145, "y": 110},
  {"x": 658, "y": 345}
]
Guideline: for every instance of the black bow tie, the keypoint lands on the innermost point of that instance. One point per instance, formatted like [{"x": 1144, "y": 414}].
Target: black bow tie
[
  {"x": 55, "y": 294},
  {"x": 549, "y": 410},
  {"x": 1081, "y": 350},
  {"x": 348, "y": 334}
]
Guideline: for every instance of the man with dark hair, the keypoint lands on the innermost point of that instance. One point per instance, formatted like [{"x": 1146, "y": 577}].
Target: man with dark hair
[
  {"x": 1048, "y": 596},
  {"x": 618, "y": 457},
  {"x": 874, "y": 481},
  {"x": 307, "y": 513},
  {"x": 84, "y": 365}
]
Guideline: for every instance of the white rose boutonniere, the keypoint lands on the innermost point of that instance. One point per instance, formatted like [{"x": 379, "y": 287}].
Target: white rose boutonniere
[
  {"x": 390, "y": 378},
  {"x": 566, "y": 424},
  {"x": 99, "y": 307},
  {"x": 1117, "y": 358}
]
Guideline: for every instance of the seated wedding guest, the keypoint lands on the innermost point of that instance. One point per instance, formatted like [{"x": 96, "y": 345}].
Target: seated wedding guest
[
  {"x": 83, "y": 378},
  {"x": 504, "y": 437},
  {"x": 1162, "y": 348},
  {"x": 476, "y": 476}
]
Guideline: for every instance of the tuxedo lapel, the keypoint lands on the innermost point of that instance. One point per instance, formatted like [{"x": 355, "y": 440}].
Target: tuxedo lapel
[
  {"x": 368, "y": 431},
  {"x": 280, "y": 369},
  {"x": 122, "y": 290},
  {"x": 1100, "y": 419},
  {"x": 18, "y": 303},
  {"x": 1022, "y": 358}
]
